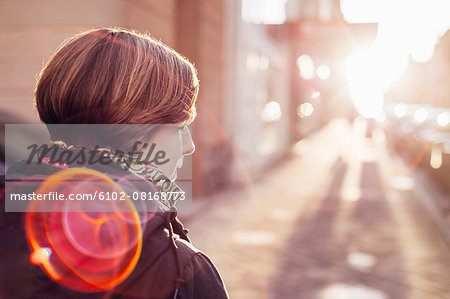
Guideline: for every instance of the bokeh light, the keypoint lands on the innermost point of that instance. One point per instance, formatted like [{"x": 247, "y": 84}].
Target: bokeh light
[
  {"x": 420, "y": 115},
  {"x": 306, "y": 67},
  {"x": 271, "y": 112},
  {"x": 443, "y": 119},
  {"x": 400, "y": 110},
  {"x": 305, "y": 110},
  {"x": 323, "y": 72}
]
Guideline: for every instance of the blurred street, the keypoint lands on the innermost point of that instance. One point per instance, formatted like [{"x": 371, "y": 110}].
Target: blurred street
[{"x": 340, "y": 218}]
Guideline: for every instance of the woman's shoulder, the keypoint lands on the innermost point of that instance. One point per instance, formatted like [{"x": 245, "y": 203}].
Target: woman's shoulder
[{"x": 201, "y": 276}]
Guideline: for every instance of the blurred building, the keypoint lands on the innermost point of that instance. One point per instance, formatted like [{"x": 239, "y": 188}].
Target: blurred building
[
  {"x": 258, "y": 90},
  {"x": 30, "y": 31},
  {"x": 425, "y": 83},
  {"x": 441, "y": 61}
]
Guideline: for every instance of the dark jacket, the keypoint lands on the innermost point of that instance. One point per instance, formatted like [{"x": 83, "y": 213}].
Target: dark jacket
[{"x": 169, "y": 265}]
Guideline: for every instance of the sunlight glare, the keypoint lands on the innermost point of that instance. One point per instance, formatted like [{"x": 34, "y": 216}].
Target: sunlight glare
[
  {"x": 413, "y": 27},
  {"x": 381, "y": 118},
  {"x": 364, "y": 77}
]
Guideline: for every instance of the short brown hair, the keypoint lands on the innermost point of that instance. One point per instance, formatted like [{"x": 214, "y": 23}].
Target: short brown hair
[{"x": 116, "y": 76}]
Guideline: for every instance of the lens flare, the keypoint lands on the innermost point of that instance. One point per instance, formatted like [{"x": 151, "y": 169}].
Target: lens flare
[
  {"x": 86, "y": 251},
  {"x": 40, "y": 256}
]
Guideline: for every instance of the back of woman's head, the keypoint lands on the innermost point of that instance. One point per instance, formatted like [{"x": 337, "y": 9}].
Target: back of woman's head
[{"x": 116, "y": 76}]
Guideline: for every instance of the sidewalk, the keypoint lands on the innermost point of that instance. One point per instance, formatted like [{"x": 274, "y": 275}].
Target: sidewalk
[{"x": 325, "y": 224}]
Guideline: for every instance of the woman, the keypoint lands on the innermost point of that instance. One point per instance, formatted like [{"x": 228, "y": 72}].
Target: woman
[{"x": 111, "y": 76}]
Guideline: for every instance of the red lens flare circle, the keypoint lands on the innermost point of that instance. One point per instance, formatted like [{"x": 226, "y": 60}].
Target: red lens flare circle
[{"x": 87, "y": 250}]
